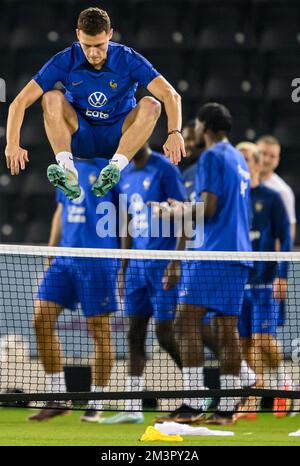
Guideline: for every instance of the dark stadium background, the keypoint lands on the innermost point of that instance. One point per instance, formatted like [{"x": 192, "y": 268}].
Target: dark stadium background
[{"x": 242, "y": 53}]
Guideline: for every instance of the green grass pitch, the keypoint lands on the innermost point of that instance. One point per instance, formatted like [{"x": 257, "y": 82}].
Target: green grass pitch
[{"x": 69, "y": 431}]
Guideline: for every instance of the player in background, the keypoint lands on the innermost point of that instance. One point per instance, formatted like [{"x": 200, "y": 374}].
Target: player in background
[
  {"x": 270, "y": 148},
  {"x": 98, "y": 115},
  {"x": 223, "y": 184},
  {"x": 72, "y": 280},
  {"x": 267, "y": 280},
  {"x": 148, "y": 286},
  {"x": 193, "y": 152}
]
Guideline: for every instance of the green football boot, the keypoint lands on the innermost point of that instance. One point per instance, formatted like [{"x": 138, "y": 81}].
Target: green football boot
[
  {"x": 108, "y": 178},
  {"x": 65, "y": 180}
]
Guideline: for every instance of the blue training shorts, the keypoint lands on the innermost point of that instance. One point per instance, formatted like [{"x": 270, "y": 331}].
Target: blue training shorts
[
  {"x": 88, "y": 281},
  {"x": 144, "y": 294},
  {"x": 260, "y": 312},
  {"x": 91, "y": 141},
  {"x": 215, "y": 285}
]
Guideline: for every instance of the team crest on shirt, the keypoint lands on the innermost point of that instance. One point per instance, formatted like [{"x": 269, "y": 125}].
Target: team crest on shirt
[
  {"x": 113, "y": 84},
  {"x": 258, "y": 206},
  {"x": 146, "y": 183},
  {"x": 92, "y": 178}
]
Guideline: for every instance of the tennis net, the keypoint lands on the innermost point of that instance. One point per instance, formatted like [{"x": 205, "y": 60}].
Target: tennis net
[{"x": 149, "y": 329}]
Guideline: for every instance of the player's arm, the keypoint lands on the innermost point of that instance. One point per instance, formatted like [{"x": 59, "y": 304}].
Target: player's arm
[
  {"x": 163, "y": 91},
  {"x": 282, "y": 232},
  {"x": 16, "y": 157}
]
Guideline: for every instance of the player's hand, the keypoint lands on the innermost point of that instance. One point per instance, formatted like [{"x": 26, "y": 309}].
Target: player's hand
[
  {"x": 16, "y": 158},
  {"x": 172, "y": 275},
  {"x": 172, "y": 209},
  {"x": 280, "y": 289},
  {"x": 174, "y": 148}
]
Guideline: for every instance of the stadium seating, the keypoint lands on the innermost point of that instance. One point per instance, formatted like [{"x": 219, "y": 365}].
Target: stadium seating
[{"x": 229, "y": 50}]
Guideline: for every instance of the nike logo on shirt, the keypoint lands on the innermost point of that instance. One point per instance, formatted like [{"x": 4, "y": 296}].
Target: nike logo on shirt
[{"x": 77, "y": 84}]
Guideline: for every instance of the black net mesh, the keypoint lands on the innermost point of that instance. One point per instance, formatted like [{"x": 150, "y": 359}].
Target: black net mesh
[{"x": 133, "y": 330}]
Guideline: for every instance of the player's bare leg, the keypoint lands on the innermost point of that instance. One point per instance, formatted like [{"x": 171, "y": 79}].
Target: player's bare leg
[
  {"x": 104, "y": 358},
  {"x": 273, "y": 358},
  {"x": 136, "y": 364},
  {"x": 165, "y": 336},
  {"x": 49, "y": 350},
  {"x": 61, "y": 123},
  {"x": 188, "y": 336},
  {"x": 252, "y": 356},
  {"x": 136, "y": 131},
  {"x": 230, "y": 366}
]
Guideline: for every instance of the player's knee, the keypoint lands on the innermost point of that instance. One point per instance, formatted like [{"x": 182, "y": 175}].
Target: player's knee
[
  {"x": 151, "y": 107},
  {"x": 52, "y": 100}
]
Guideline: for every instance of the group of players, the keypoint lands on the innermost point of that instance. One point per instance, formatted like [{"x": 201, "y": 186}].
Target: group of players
[{"x": 195, "y": 304}]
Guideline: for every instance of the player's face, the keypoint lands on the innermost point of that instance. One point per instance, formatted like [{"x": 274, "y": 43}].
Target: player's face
[
  {"x": 189, "y": 137},
  {"x": 254, "y": 167},
  {"x": 199, "y": 133},
  {"x": 271, "y": 157},
  {"x": 95, "y": 47}
]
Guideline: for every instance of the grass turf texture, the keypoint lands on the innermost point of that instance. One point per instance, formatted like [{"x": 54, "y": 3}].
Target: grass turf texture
[{"x": 69, "y": 431}]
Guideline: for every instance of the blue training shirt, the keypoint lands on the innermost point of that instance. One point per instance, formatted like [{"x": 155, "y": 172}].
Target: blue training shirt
[
  {"x": 222, "y": 170},
  {"x": 157, "y": 181},
  {"x": 84, "y": 219},
  {"x": 270, "y": 223},
  {"x": 101, "y": 96},
  {"x": 189, "y": 179}
]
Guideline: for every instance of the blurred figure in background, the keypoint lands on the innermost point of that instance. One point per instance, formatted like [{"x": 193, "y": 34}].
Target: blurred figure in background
[
  {"x": 72, "y": 280},
  {"x": 149, "y": 287},
  {"x": 267, "y": 280},
  {"x": 269, "y": 146}
]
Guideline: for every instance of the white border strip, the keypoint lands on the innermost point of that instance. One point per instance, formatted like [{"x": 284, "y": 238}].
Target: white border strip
[{"x": 20, "y": 250}]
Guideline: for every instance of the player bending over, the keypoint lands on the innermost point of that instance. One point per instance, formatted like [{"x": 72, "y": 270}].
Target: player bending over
[
  {"x": 73, "y": 280},
  {"x": 97, "y": 116},
  {"x": 148, "y": 286},
  {"x": 223, "y": 184},
  {"x": 267, "y": 283}
]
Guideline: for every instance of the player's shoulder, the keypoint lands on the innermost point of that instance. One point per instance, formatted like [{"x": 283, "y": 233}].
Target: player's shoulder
[
  {"x": 120, "y": 51},
  {"x": 280, "y": 184}
]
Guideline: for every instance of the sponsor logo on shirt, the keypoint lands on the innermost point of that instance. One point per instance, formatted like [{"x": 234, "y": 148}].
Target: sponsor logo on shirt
[
  {"x": 259, "y": 206},
  {"x": 77, "y": 83},
  {"x": 97, "y": 99},
  {"x": 92, "y": 178},
  {"x": 254, "y": 235},
  {"x": 113, "y": 84},
  {"x": 146, "y": 183},
  {"x": 95, "y": 114}
]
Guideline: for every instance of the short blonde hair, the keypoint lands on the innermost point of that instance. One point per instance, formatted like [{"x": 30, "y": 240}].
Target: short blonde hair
[{"x": 250, "y": 146}]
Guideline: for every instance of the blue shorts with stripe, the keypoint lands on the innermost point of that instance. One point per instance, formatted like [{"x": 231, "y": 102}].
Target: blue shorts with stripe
[
  {"x": 90, "y": 282},
  {"x": 216, "y": 285},
  {"x": 144, "y": 294},
  {"x": 260, "y": 312},
  {"x": 91, "y": 141}
]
